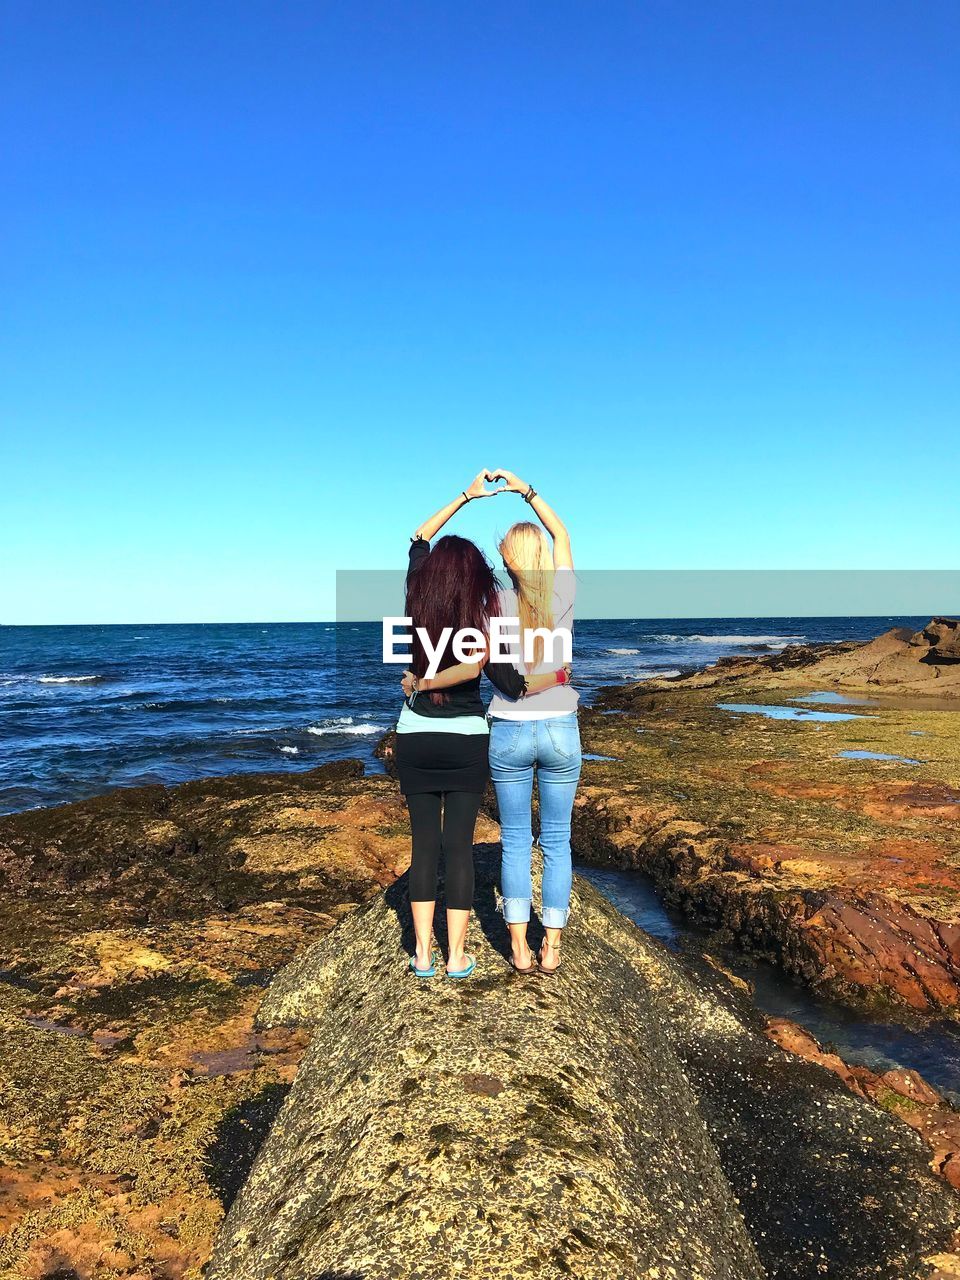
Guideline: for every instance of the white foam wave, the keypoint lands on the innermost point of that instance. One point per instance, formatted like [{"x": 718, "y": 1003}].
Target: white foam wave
[
  {"x": 344, "y": 724},
  {"x": 67, "y": 679},
  {"x": 780, "y": 642},
  {"x": 290, "y": 751},
  {"x": 647, "y": 674},
  {"x": 624, "y": 653}
]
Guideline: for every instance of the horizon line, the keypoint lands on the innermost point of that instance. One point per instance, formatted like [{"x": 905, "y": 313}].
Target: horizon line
[{"x": 335, "y": 622}]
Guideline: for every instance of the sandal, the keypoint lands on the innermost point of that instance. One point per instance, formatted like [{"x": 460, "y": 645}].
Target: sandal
[
  {"x": 424, "y": 973},
  {"x": 466, "y": 972},
  {"x": 533, "y": 967},
  {"x": 554, "y": 946}
]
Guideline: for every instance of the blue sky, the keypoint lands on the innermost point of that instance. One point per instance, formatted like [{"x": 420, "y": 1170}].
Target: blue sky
[{"x": 278, "y": 278}]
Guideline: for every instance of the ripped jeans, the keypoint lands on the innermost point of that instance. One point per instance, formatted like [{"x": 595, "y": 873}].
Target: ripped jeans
[{"x": 552, "y": 747}]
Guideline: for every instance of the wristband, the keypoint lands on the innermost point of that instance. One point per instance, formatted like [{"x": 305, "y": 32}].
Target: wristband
[
  {"x": 530, "y": 494},
  {"x": 466, "y": 496},
  {"x": 562, "y": 676}
]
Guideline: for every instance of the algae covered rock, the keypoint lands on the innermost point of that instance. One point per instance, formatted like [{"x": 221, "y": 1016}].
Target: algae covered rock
[
  {"x": 137, "y": 932},
  {"x": 624, "y": 1118}
]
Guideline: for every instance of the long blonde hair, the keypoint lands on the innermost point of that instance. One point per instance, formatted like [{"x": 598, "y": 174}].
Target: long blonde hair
[{"x": 529, "y": 561}]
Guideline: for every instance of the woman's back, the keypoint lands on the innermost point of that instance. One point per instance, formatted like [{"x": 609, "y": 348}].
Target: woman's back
[{"x": 562, "y": 700}]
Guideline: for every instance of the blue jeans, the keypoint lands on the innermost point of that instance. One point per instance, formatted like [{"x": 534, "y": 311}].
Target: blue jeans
[{"x": 517, "y": 747}]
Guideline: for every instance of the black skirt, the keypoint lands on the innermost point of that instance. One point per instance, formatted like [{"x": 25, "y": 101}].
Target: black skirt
[{"x": 442, "y": 762}]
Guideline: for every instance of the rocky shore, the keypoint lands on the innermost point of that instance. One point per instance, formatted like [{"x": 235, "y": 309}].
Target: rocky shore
[
  {"x": 635, "y": 1114},
  {"x": 902, "y": 1092},
  {"x": 138, "y": 932},
  {"x": 921, "y": 664},
  {"x": 626, "y": 1118},
  {"x": 843, "y": 870}
]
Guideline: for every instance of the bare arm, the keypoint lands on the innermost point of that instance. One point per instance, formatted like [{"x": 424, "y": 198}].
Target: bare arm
[
  {"x": 562, "y": 551},
  {"x": 457, "y": 674},
  {"x": 476, "y": 489}
]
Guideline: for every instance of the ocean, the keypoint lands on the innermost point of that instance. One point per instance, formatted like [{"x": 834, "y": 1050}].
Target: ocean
[{"x": 84, "y": 709}]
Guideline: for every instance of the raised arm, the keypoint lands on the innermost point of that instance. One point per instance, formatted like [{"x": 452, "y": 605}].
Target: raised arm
[
  {"x": 562, "y": 552},
  {"x": 476, "y": 489}
]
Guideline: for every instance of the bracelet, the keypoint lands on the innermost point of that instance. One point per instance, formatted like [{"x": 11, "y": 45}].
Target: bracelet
[
  {"x": 562, "y": 676},
  {"x": 530, "y": 494},
  {"x": 465, "y": 495}
]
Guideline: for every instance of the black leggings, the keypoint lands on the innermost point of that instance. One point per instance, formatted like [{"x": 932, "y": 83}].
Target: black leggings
[{"x": 451, "y": 833}]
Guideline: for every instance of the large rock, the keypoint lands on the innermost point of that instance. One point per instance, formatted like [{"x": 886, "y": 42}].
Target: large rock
[
  {"x": 826, "y": 842},
  {"x": 137, "y": 931},
  {"x": 919, "y": 664},
  {"x": 789, "y": 904},
  {"x": 925, "y": 662},
  {"x": 151, "y": 854},
  {"x": 625, "y": 1118}
]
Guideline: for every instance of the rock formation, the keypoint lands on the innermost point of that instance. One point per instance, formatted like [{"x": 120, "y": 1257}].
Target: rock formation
[
  {"x": 137, "y": 933},
  {"x": 626, "y": 1118},
  {"x": 924, "y": 663},
  {"x": 779, "y": 900},
  {"x": 845, "y": 871},
  {"x": 903, "y": 1092}
]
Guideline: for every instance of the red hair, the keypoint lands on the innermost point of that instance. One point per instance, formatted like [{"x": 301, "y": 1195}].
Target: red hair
[{"x": 456, "y": 587}]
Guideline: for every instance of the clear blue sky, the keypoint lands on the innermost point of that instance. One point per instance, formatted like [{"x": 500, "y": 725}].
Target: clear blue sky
[{"x": 277, "y": 278}]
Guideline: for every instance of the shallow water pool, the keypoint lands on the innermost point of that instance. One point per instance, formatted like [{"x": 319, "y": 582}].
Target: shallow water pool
[
  {"x": 875, "y": 755},
  {"x": 932, "y": 1048},
  {"x": 785, "y": 713}
]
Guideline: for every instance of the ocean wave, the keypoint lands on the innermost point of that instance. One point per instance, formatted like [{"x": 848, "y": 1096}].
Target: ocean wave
[
  {"x": 344, "y": 724},
  {"x": 180, "y": 704},
  {"x": 290, "y": 751},
  {"x": 647, "y": 674},
  {"x": 68, "y": 679},
  {"x": 773, "y": 642},
  {"x": 623, "y": 653}
]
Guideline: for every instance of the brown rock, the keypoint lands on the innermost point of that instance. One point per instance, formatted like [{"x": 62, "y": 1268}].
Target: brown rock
[
  {"x": 625, "y": 1119},
  {"x": 902, "y": 1092},
  {"x": 910, "y": 1084}
]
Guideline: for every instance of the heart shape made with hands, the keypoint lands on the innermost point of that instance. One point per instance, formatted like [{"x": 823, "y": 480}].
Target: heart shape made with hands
[{"x": 493, "y": 484}]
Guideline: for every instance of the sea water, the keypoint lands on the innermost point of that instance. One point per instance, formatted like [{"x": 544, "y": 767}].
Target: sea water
[{"x": 85, "y": 709}]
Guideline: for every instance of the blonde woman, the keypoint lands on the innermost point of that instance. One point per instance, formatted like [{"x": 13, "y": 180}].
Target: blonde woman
[{"x": 536, "y": 734}]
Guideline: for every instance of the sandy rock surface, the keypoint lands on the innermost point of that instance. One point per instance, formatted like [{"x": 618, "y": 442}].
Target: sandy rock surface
[{"x": 627, "y": 1117}]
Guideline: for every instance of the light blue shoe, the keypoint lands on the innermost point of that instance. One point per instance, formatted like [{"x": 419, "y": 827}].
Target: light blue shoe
[
  {"x": 464, "y": 973},
  {"x": 425, "y": 973}
]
